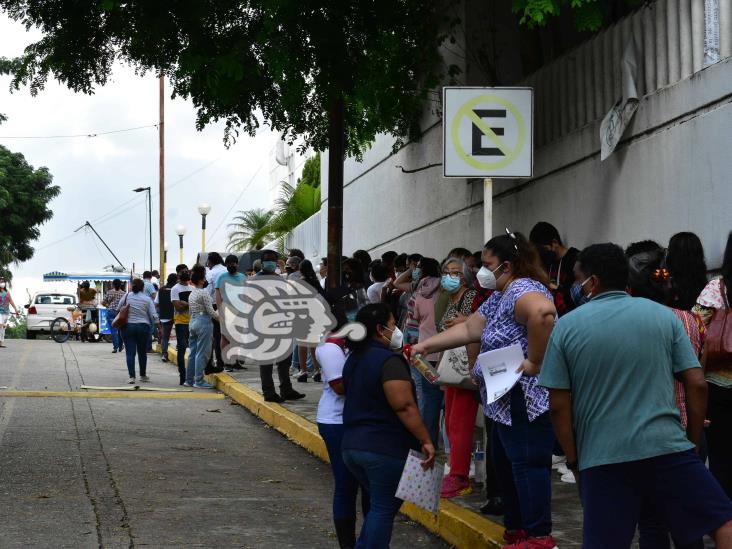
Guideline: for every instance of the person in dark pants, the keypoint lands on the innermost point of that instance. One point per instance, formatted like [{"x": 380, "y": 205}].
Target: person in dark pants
[
  {"x": 140, "y": 318},
  {"x": 214, "y": 268},
  {"x": 166, "y": 313},
  {"x": 269, "y": 266},
  {"x": 179, "y": 297}
]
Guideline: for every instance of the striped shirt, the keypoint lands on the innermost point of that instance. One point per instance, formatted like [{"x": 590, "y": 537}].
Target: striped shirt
[{"x": 200, "y": 303}]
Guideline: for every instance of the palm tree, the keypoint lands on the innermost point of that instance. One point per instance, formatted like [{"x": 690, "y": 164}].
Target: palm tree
[
  {"x": 295, "y": 205},
  {"x": 250, "y": 229}
]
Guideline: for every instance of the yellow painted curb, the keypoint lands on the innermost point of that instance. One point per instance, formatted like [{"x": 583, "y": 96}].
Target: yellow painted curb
[{"x": 458, "y": 526}]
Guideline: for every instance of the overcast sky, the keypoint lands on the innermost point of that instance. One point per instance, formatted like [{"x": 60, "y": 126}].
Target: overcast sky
[{"x": 97, "y": 175}]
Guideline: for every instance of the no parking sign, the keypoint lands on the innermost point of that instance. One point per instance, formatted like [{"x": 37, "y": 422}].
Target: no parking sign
[{"x": 488, "y": 132}]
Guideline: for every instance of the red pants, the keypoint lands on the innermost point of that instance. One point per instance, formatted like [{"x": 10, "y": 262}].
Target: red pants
[{"x": 460, "y": 409}]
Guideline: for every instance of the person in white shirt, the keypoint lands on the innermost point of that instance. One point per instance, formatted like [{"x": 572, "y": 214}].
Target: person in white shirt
[
  {"x": 200, "y": 306},
  {"x": 379, "y": 275},
  {"x": 215, "y": 268},
  {"x": 331, "y": 356}
]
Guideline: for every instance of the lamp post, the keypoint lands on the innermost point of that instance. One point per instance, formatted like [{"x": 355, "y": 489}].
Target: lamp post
[
  {"x": 180, "y": 230},
  {"x": 149, "y": 216},
  {"x": 203, "y": 209},
  {"x": 164, "y": 267}
]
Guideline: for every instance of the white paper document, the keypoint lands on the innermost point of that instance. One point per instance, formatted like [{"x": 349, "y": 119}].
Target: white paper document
[
  {"x": 419, "y": 486},
  {"x": 499, "y": 370}
]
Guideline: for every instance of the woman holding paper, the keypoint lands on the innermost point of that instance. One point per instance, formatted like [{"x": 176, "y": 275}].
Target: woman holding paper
[
  {"x": 381, "y": 420},
  {"x": 521, "y": 312}
]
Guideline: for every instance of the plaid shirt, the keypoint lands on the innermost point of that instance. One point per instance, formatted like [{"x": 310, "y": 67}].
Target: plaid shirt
[
  {"x": 112, "y": 298},
  {"x": 694, "y": 328}
]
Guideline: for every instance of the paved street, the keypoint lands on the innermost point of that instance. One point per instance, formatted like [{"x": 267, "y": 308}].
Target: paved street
[{"x": 165, "y": 470}]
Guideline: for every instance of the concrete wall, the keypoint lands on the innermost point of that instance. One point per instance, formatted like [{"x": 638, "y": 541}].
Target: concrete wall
[{"x": 672, "y": 172}]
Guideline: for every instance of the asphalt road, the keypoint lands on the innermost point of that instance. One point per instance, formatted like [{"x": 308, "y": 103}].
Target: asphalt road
[{"x": 180, "y": 470}]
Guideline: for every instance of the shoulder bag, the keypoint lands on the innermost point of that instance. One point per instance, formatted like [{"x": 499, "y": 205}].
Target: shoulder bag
[
  {"x": 719, "y": 336},
  {"x": 120, "y": 321},
  {"x": 453, "y": 368}
]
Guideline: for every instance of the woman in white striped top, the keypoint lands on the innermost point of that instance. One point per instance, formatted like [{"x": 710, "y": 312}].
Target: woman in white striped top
[{"x": 201, "y": 308}]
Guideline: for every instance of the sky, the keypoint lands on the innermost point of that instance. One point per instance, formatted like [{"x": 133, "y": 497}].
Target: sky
[{"x": 96, "y": 175}]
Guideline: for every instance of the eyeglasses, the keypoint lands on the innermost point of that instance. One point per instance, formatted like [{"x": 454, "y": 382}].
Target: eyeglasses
[{"x": 453, "y": 273}]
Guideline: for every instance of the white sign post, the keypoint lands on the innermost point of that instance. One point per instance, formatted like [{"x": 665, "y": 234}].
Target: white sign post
[{"x": 487, "y": 133}]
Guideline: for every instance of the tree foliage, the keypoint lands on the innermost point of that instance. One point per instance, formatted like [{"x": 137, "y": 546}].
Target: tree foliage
[
  {"x": 250, "y": 230},
  {"x": 290, "y": 60},
  {"x": 25, "y": 193},
  {"x": 295, "y": 205},
  {"x": 588, "y": 14},
  {"x": 311, "y": 171}
]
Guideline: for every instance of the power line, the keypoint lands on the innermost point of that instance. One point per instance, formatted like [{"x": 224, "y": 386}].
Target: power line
[
  {"x": 223, "y": 219},
  {"x": 89, "y": 134}
]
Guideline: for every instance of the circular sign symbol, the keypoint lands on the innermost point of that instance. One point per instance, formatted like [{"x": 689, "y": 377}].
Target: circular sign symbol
[{"x": 510, "y": 152}]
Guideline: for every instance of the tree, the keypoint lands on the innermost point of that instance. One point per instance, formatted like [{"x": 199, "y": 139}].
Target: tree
[
  {"x": 311, "y": 171},
  {"x": 589, "y": 15},
  {"x": 24, "y": 196},
  {"x": 295, "y": 205},
  {"x": 250, "y": 229}
]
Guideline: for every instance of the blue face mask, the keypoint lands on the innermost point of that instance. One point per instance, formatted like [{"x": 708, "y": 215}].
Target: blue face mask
[
  {"x": 269, "y": 266},
  {"x": 450, "y": 284},
  {"x": 578, "y": 296},
  {"x": 416, "y": 274}
]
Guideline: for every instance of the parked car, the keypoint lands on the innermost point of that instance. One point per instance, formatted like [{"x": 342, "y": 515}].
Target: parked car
[{"x": 43, "y": 309}]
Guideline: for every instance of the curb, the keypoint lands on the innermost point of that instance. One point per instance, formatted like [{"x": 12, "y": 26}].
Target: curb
[{"x": 455, "y": 524}]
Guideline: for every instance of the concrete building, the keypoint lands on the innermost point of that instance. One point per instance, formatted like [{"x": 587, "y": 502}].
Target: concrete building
[{"x": 671, "y": 171}]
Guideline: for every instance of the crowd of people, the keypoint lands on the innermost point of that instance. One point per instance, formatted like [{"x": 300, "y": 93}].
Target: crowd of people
[{"x": 627, "y": 380}]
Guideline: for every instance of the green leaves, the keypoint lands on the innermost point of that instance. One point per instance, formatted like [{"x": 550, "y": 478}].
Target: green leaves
[
  {"x": 588, "y": 14},
  {"x": 250, "y": 230},
  {"x": 25, "y": 193}
]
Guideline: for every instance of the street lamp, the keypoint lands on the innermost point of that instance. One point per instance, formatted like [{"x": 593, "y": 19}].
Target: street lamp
[
  {"x": 180, "y": 230},
  {"x": 203, "y": 209},
  {"x": 149, "y": 215}
]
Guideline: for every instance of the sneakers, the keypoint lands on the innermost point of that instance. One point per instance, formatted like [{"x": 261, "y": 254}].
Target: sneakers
[
  {"x": 317, "y": 378},
  {"x": 514, "y": 536},
  {"x": 453, "y": 486},
  {"x": 203, "y": 385},
  {"x": 493, "y": 506},
  {"x": 186, "y": 384},
  {"x": 292, "y": 394},
  {"x": 558, "y": 461},
  {"x": 562, "y": 469},
  {"x": 544, "y": 542},
  {"x": 568, "y": 477},
  {"x": 303, "y": 377},
  {"x": 131, "y": 381},
  {"x": 145, "y": 379},
  {"x": 113, "y": 350},
  {"x": 164, "y": 358},
  {"x": 274, "y": 397}
]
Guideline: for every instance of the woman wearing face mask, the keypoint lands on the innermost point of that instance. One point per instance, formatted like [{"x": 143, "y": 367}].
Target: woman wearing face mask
[
  {"x": 381, "y": 420},
  {"x": 5, "y": 302},
  {"x": 520, "y": 311},
  {"x": 460, "y": 404}
]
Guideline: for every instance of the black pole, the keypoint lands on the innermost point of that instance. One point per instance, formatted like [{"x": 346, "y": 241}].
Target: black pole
[
  {"x": 336, "y": 157},
  {"x": 87, "y": 224},
  {"x": 149, "y": 217}
]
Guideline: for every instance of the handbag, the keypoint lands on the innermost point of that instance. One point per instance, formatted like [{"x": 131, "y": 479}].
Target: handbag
[
  {"x": 719, "y": 336},
  {"x": 454, "y": 369},
  {"x": 120, "y": 321}
]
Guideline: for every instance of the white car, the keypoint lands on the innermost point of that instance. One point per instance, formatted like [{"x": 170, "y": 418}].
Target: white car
[{"x": 43, "y": 309}]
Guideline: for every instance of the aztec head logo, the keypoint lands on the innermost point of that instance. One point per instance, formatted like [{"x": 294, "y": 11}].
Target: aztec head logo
[{"x": 263, "y": 318}]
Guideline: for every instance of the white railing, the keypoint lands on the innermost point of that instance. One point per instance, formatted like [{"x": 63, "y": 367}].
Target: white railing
[{"x": 582, "y": 85}]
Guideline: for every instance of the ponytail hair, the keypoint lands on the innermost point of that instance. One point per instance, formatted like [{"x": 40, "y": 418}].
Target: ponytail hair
[{"x": 522, "y": 255}]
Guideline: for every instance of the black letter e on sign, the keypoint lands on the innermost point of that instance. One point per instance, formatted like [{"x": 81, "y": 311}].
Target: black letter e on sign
[{"x": 478, "y": 148}]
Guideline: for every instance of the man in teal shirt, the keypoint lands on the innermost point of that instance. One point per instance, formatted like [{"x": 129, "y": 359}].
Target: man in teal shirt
[{"x": 609, "y": 368}]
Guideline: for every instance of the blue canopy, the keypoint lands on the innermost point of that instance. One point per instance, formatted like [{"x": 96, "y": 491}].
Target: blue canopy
[{"x": 56, "y": 276}]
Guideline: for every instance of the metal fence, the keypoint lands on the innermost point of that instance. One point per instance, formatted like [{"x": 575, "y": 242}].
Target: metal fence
[{"x": 670, "y": 36}]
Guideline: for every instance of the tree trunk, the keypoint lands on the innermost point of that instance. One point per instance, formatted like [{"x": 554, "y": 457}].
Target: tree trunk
[{"x": 336, "y": 156}]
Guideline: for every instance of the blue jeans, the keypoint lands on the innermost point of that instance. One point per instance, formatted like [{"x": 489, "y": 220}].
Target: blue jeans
[
  {"x": 429, "y": 400},
  {"x": 200, "y": 338},
  {"x": 522, "y": 456},
  {"x": 135, "y": 336},
  {"x": 181, "y": 337},
  {"x": 346, "y": 485},
  {"x": 116, "y": 336},
  {"x": 380, "y": 475}
]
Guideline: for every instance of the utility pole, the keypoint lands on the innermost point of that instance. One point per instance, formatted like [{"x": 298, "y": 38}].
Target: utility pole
[
  {"x": 336, "y": 157},
  {"x": 161, "y": 138}
]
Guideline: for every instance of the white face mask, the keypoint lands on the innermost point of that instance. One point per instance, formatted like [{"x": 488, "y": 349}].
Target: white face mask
[
  {"x": 487, "y": 278},
  {"x": 2, "y": 285},
  {"x": 397, "y": 339}
]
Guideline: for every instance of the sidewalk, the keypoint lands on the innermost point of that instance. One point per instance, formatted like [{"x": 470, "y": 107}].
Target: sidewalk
[{"x": 459, "y": 521}]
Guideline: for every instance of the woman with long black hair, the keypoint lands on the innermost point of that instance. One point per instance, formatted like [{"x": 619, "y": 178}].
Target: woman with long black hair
[{"x": 687, "y": 268}]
